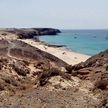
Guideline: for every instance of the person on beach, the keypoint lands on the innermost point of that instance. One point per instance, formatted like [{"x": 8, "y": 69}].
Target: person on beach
[
  {"x": 45, "y": 47},
  {"x": 64, "y": 53}
]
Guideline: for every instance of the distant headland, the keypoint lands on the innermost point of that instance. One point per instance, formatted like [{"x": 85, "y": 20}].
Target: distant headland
[{"x": 31, "y": 32}]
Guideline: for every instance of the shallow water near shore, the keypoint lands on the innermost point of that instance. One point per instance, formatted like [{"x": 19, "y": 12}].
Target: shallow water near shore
[{"x": 88, "y": 42}]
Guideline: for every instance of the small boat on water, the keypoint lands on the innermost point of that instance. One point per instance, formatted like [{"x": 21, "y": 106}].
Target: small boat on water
[
  {"x": 75, "y": 37},
  {"x": 106, "y": 38},
  {"x": 94, "y": 36}
]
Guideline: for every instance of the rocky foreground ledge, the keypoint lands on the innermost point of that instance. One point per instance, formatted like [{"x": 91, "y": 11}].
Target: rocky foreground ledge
[{"x": 30, "y": 32}]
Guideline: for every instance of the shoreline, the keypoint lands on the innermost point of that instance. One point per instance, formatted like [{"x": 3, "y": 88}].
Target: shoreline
[
  {"x": 62, "y": 53},
  {"x": 50, "y": 45}
]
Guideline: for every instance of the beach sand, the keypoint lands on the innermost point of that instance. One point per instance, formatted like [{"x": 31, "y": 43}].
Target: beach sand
[{"x": 64, "y": 54}]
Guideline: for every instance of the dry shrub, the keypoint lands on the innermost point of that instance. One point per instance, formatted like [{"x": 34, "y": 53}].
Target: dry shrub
[
  {"x": 65, "y": 76},
  {"x": 22, "y": 87},
  {"x": 21, "y": 70},
  {"x": 44, "y": 65},
  {"x": 10, "y": 80},
  {"x": 4, "y": 34},
  {"x": 3, "y": 60},
  {"x": 44, "y": 76},
  {"x": 106, "y": 68},
  {"x": 76, "y": 67},
  {"x": 69, "y": 68},
  {"x": 1, "y": 66},
  {"x": 101, "y": 84},
  {"x": 2, "y": 86},
  {"x": 26, "y": 62}
]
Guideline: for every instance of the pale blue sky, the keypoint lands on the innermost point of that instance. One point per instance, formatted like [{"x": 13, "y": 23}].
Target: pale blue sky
[{"x": 68, "y": 14}]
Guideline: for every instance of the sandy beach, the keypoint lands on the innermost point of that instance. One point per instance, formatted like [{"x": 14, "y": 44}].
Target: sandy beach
[{"x": 64, "y": 54}]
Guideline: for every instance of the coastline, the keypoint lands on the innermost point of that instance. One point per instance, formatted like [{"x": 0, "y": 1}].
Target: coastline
[
  {"x": 62, "y": 53},
  {"x": 67, "y": 55},
  {"x": 36, "y": 69}
]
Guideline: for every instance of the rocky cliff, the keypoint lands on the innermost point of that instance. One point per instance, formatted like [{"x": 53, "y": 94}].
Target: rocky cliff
[{"x": 31, "y": 32}]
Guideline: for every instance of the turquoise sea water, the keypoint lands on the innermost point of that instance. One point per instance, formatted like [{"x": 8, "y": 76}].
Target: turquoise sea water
[{"x": 88, "y": 42}]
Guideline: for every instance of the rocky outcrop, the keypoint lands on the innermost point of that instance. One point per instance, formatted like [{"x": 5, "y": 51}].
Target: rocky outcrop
[
  {"x": 94, "y": 68},
  {"x": 32, "y": 32}
]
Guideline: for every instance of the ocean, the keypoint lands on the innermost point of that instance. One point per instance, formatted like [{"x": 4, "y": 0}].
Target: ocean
[{"x": 89, "y": 42}]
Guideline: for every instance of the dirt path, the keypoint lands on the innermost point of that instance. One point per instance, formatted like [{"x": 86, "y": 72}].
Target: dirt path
[{"x": 11, "y": 46}]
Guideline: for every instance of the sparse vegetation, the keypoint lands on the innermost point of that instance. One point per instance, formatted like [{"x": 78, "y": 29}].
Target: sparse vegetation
[
  {"x": 4, "y": 34},
  {"x": 44, "y": 65},
  {"x": 3, "y": 60},
  {"x": 10, "y": 80},
  {"x": 106, "y": 68},
  {"x": 2, "y": 85},
  {"x": 26, "y": 62},
  {"x": 1, "y": 66},
  {"x": 101, "y": 84},
  {"x": 44, "y": 76},
  {"x": 69, "y": 68},
  {"x": 21, "y": 70}
]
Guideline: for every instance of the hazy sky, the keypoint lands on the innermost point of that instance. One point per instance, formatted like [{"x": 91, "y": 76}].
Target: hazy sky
[{"x": 69, "y": 14}]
